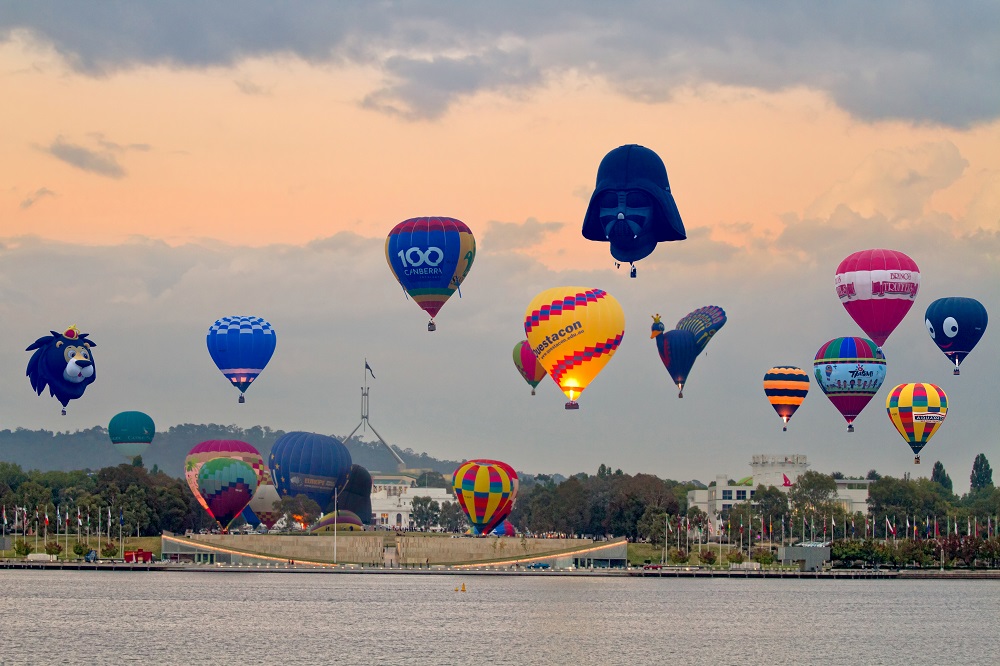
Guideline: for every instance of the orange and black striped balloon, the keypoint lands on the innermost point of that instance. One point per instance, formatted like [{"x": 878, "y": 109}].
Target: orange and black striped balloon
[{"x": 785, "y": 387}]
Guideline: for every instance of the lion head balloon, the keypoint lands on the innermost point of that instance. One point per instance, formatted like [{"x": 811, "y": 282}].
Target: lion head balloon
[{"x": 64, "y": 362}]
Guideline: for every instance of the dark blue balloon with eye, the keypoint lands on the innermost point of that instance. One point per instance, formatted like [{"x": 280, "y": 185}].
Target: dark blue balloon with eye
[{"x": 956, "y": 324}]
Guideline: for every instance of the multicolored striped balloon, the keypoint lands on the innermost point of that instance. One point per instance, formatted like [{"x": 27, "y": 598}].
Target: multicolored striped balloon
[
  {"x": 221, "y": 448},
  {"x": 917, "y": 410},
  {"x": 786, "y": 387},
  {"x": 430, "y": 257},
  {"x": 527, "y": 364},
  {"x": 574, "y": 332},
  {"x": 227, "y": 484},
  {"x": 486, "y": 490},
  {"x": 850, "y": 371}
]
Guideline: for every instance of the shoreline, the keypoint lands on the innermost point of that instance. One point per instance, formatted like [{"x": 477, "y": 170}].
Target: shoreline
[{"x": 680, "y": 572}]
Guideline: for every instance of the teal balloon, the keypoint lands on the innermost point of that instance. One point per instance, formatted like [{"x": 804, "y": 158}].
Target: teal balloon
[
  {"x": 227, "y": 485},
  {"x": 131, "y": 433}
]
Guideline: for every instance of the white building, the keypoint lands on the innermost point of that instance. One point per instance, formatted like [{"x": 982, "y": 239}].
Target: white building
[
  {"x": 780, "y": 471},
  {"x": 392, "y": 505}
]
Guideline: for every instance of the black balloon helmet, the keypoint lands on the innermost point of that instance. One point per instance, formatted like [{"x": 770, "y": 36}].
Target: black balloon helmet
[{"x": 632, "y": 207}]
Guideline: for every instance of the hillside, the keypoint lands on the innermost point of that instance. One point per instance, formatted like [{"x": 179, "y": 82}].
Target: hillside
[{"x": 45, "y": 450}]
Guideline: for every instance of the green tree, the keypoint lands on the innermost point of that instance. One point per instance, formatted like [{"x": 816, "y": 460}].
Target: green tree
[
  {"x": 770, "y": 501},
  {"x": 813, "y": 493},
  {"x": 652, "y": 525},
  {"x": 982, "y": 473},
  {"x": 873, "y": 475},
  {"x": 425, "y": 512},
  {"x": 298, "y": 510},
  {"x": 938, "y": 475},
  {"x": 22, "y": 548},
  {"x": 432, "y": 479},
  {"x": 451, "y": 518}
]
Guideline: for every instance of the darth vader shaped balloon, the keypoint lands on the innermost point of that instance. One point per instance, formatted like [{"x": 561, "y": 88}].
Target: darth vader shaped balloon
[{"x": 632, "y": 208}]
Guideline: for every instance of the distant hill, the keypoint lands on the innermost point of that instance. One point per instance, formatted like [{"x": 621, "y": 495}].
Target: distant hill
[{"x": 45, "y": 450}]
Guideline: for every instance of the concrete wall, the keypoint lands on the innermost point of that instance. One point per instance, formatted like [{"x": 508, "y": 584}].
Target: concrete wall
[
  {"x": 420, "y": 550},
  {"x": 370, "y": 548},
  {"x": 360, "y": 548}
]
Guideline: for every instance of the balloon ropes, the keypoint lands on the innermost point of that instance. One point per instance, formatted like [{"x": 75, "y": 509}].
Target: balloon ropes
[
  {"x": 527, "y": 364},
  {"x": 241, "y": 346},
  {"x": 574, "y": 332},
  {"x": 850, "y": 371},
  {"x": 917, "y": 411},
  {"x": 877, "y": 288},
  {"x": 786, "y": 387},
  {"x": 956, "y": 325},
  {"x": 430, "y": 257},
  {"x": 486, "y": 490},
  {"x": 131, "y": 433}
]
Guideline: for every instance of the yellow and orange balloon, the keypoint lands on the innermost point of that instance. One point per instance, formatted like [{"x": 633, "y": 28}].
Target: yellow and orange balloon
[
  {"x": 486, "y": 490},
  {"x": 574, "y": 332},
  {"x": 917, "y": 410}
]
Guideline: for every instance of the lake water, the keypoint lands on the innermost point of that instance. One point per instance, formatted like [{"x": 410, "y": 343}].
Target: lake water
[{"x": 299, "y": 618}]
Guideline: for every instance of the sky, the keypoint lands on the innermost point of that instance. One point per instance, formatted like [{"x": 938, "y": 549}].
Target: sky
[{"x": 166, "y": 164}]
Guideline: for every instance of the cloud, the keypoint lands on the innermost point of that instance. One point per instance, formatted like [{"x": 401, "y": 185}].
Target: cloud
[
  {"x": 103, "y": 163},
  {"x": 33, "y": 198},
  {"x": 509, "y": 236},
  {"x": 924, "y": 61}
]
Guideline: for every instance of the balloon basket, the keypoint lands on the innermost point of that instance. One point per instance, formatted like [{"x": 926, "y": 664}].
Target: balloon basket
[
  {"x": 631, "y": 273},
  {"x": 916, "y": 460},
  {"x": 532, "y": 391},
  {"x": 784, "y": 428},
  {"x": 850, "y": 427},
  {"x": 242, "y": 399},
  {"x": 64, "y": 412},
  {"x": 431, "y": 326},
  {"x": 572, "y": 404},
  {"x": 956, "y": 372}
]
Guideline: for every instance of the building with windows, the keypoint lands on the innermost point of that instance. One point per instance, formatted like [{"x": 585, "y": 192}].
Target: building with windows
[
  {"x": 778, "y": 470},
  {"x": 392, "y": 506}
]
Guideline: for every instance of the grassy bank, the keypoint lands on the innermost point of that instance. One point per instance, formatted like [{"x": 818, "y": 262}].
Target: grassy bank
[{"x": 151, "y": 544}]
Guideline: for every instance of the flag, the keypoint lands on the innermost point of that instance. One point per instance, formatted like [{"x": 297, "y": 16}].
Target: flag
[
  {"x": 937, "y": 529},
  {"x": 669, "y": 528},
  {"x": 79, "y": 519},
  {"x": 854, "y": 531},
  {"x": 121, "y": 516},
  {"x": 369, "y": 369},
  {"x": 109, "y": 515},
  {"x": 968, "y": 527},
  {"x": 58, "y": 518},
  {"x": 46, "y": 516},
  {"x": 5, "y": 515},
  {"x": 889, "y": 527}
]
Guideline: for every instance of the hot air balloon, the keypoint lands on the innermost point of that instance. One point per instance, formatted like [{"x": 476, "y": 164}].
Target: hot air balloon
[
  {"x": 677, "y": 350},
  {"x": 430, "y": 257},
  {"x": 63, "y": 362},
  {"x": 632, "y": 208},
  {"x": 227, "y": 485},
  {"x": 574, "y": 332},
  {"x": 263, "y": 502},
  {"x": 304, "y": 463},
  {"x": 877, "y": 287},
  {"x": 486, "y": 491},
  {"x": 356, "y": 494},
  {"x": 704, "y": 323},
  {"x": 241, "y": 346},
  {"x": 220, "y": 448},
  {"x": 338, "y": 521},
  {"x": 956, "y": 324},
  {"x": 527, "y": 364},
  {"x": 131, "y": 433},
  {"x": 917, "y": 411},
  {"x": 850, "y": 371},
  {"x": 786, "y": 387},
  {"x": 504, "y": 529}
]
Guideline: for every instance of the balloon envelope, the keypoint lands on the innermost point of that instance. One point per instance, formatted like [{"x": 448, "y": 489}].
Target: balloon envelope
[
  {"x": 241, "y": 346},
  {"x": 486, "y": 491},
  {"x": 131, "y": 433},
  {"x": 574, "y": 332},
  {"x": 504, "y": 529},
  {"x": 877, "y": 287},
  {"x": 917, "y": 410},
  {"x": 786, "y": 387},
  {"x": 849, "y": 371},
  {"x": 956, "y": 324},
  {"x": 304, "y": 463},
  {"x": 227, "y": 484},
  {"x": 263, "y": 502},
  {"x": 678, "y": 351},
  {"x": 220, "y": 448},
  {"x": 430, "y": 257},
  {"x": 338, "y": 521},
  {"x": 704, "y": 323},
  {"x": 527, "y": 364}
]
